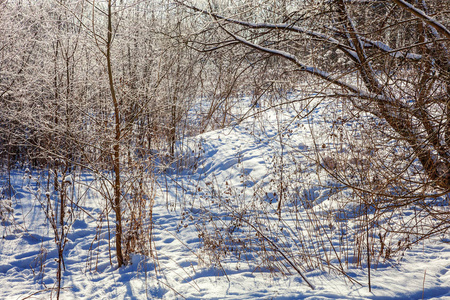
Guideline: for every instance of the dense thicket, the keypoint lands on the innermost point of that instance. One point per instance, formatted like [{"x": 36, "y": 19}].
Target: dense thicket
[{"x": 105, "y": 86}]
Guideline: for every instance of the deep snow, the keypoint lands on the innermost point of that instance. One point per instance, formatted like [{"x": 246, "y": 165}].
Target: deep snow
[{"x": 242, "y": 156}]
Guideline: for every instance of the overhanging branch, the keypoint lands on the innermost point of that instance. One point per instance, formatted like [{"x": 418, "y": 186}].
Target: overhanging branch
[{"x": 424, "y": 17}]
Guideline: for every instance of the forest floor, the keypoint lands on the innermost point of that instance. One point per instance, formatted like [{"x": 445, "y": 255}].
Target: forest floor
[{"x": 239, "y": 156}]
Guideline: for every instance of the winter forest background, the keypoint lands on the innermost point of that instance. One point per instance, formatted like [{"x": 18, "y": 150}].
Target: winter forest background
[{"x": 224, "y": 149}]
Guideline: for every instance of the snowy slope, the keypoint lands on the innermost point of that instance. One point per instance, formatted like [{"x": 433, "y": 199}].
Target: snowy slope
[{"x": 239, "y": 159}]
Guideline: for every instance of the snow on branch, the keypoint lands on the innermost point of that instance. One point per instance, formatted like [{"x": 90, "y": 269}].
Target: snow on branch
[
  {"x": 424, "y": 17},
  {"x": 356, "y": 92},
  {"x": 279, "y": 26},
  {"x": 335, "y": 80},
  {"x": 392, "y": 52},
  {"x": 312, "y": 70}
]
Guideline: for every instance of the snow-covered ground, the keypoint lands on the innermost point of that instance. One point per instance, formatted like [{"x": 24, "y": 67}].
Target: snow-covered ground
[{"x": 236, "y": 163}]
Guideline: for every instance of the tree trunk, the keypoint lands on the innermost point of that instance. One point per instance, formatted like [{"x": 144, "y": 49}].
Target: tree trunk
[{"x": 116, "y": 147}]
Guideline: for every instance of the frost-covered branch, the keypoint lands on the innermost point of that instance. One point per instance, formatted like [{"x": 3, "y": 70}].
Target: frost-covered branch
[
  {"x": 397, "y": 53},
  {"x": 424, "y": 17},
  {"x": 279, "y": 26}
]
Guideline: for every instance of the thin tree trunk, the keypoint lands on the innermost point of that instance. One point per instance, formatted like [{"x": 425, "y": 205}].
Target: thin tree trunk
[{"x": 116, "y": 148}]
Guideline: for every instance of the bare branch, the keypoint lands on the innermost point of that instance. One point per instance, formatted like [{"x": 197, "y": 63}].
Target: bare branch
[{"x": 424, "y": 17}]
